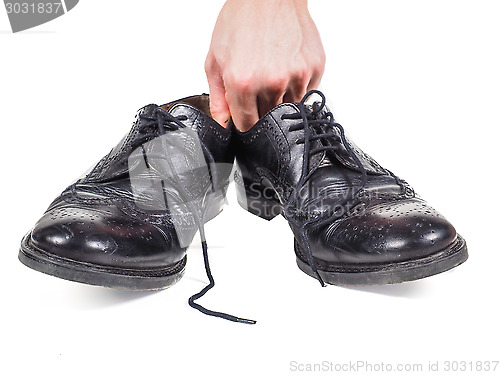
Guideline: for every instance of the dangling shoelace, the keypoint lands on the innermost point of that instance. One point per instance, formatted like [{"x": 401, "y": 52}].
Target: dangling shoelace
[
  {"x": 317, "y": 126},
  {"x": 160, "y": 122}
]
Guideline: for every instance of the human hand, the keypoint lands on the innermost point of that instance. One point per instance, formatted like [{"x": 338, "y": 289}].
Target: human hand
[{"x": 263, "y": 53}]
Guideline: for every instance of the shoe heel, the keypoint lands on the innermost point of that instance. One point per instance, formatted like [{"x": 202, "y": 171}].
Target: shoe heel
[{"x": 257, "y": 200}]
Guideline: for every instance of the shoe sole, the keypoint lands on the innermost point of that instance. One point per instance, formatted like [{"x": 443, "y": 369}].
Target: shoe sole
[
  {"x": 259, "y": 204},
  {"x": 386, "y": 273},
  {"x": 93, "y": 274}
]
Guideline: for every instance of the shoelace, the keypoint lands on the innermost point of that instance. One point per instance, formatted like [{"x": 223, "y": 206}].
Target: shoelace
[
  {"x": 159, "y": 123},
  {"x": 317, "y": 127}
]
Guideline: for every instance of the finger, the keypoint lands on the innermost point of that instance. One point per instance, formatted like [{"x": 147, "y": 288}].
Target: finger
[
  {"x": 297, "y": 85},
  {"x": 243, "y": 107},
  {"x": 315, "y": 79},
  {"x": 218, "y": 104},
  {"x": 272, "y": 93},
  {"x": 267, "y": 101},
  {"x": 295, "y": 91}
]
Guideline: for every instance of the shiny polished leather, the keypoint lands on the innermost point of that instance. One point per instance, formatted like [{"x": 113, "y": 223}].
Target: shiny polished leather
[
  {"x": 96, "y": 223},
  {"x": 384, "y": 225}
]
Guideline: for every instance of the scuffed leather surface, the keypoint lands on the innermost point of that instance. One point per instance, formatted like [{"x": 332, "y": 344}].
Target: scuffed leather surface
[
  {"x": 385, "y": 223},
  {"x": 96, "y": 220}
]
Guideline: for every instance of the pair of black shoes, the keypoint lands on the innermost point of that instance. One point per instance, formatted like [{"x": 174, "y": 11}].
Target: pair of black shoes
[{"x": 128, "y": 223}]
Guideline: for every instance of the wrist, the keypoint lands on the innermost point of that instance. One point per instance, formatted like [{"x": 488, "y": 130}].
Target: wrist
[{"x": 300, "y": 5}]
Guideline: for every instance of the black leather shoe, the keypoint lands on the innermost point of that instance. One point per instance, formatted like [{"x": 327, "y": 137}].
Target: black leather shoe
[
  {"x": 354, "y": 222},
  {"x": 127, "y": 223}
]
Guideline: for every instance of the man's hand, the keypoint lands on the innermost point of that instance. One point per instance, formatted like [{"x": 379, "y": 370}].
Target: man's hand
[{"x": 263, "y": 53}]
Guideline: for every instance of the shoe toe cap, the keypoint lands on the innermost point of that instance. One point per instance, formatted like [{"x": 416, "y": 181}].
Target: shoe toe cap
[
  {"x": 390, "y": 232},
  {"x": 100, "y": 237}
]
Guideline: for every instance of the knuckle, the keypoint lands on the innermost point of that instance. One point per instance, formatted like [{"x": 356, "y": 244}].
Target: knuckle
[
  {"x": 302, "y": 73},
  {"x": 276, "y": 83},
  {"x": 209, "y": 60},
  {"x": 240, "y": 83},
  {"x": 208, "y": 67}
]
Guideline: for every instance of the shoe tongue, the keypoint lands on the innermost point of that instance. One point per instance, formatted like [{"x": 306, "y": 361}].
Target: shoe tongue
[
  {"x": 342, "y": 155},
  {"x": 193, "y": 115},
  {"x": 147, "y": 110},
  {"x": 196, "y": 108},
  {"x": 318, "y": 159}
]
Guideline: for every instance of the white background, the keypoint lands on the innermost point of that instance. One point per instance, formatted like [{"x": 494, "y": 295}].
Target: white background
[{"x": 415, "y": 83}]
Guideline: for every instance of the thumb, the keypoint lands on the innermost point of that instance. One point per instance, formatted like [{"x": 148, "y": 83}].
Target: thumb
[{"x": 218, "y": 104}]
